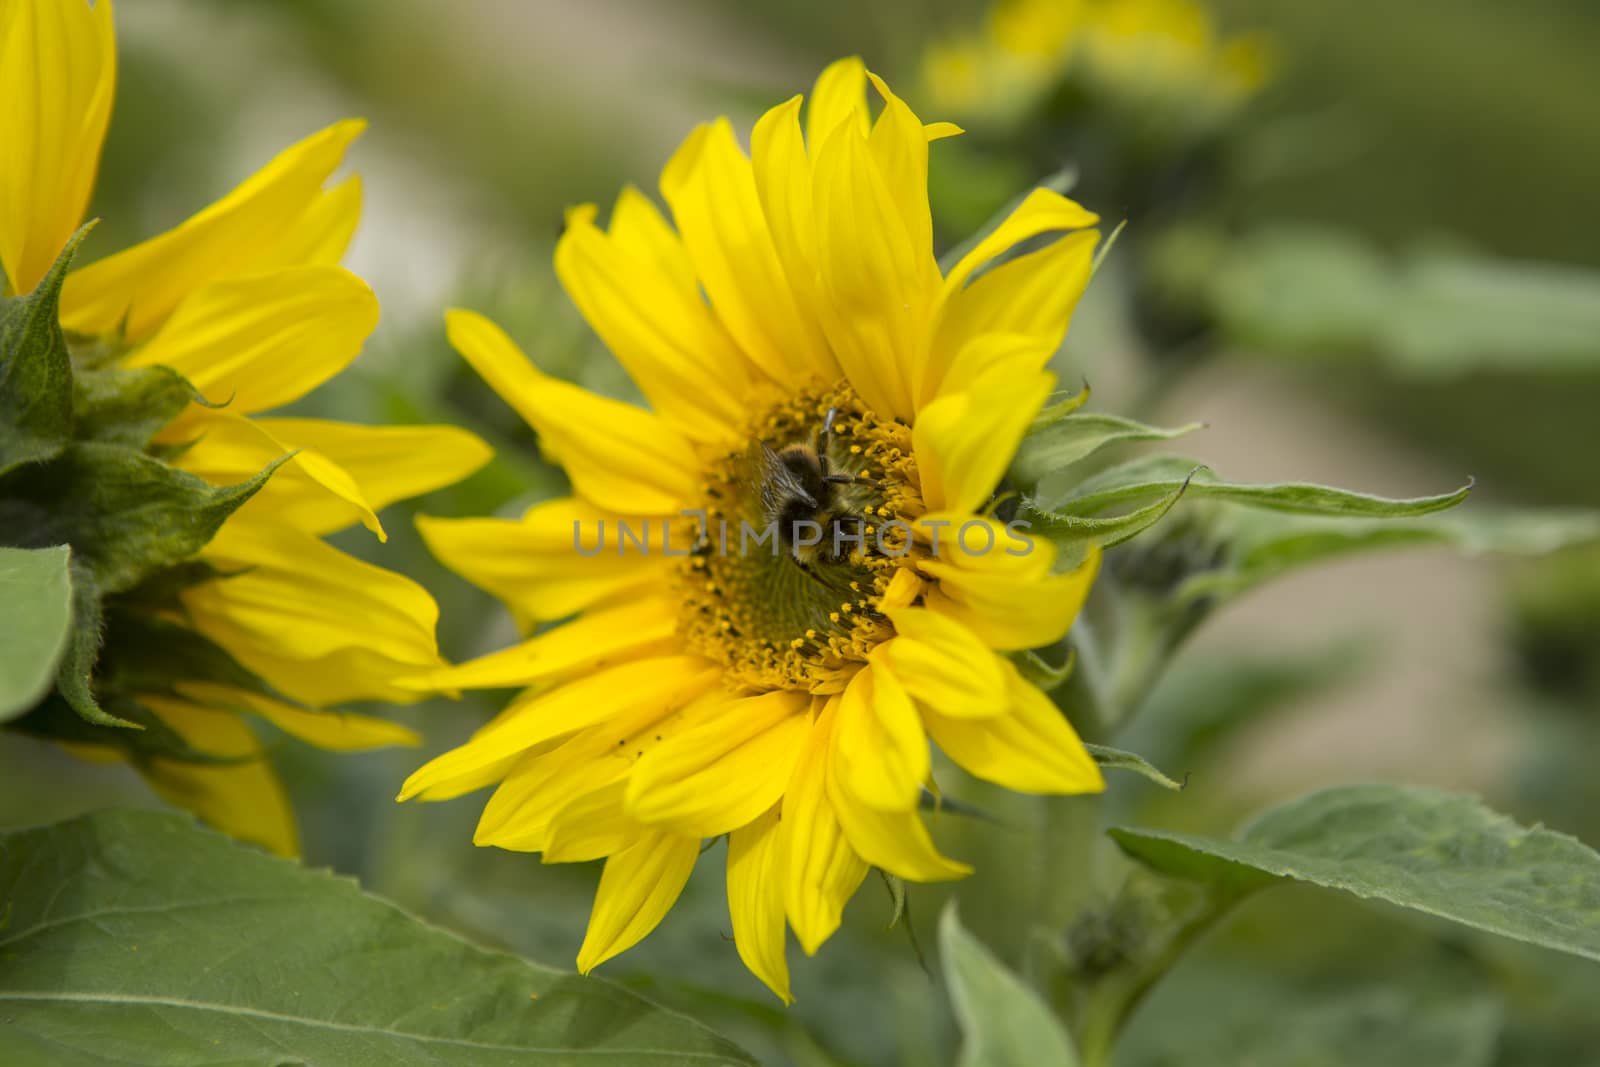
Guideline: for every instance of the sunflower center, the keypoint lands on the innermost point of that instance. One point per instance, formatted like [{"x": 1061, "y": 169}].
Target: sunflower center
[{"x": 796, "y": 540}]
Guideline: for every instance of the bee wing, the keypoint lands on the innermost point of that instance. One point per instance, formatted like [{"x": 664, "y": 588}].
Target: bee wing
[{"x": 775, "y": 485}]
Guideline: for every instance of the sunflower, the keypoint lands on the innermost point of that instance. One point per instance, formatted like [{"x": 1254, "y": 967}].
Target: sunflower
[
  {"x": 1154, "y": 53},
  {"x": 803, "y": 355},
  {"x": 247, "y": 303}
]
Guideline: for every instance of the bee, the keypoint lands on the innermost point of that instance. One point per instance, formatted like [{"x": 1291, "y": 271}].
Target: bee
[{"x": 798, "y": 494}]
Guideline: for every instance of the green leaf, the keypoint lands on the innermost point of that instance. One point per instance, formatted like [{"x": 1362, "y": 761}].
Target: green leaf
[
  {"x": 1263, "y": 545},
  {"x": 128, "y": 406},
  {"x": 1234, "y": 1015},
  {"x": 125, "y": 514},
  {"x": 139, "y": 939},
  {"x": 1441, "y": 853},
  {"x": 1310, "y": 291},
  {"x": 1463, "y": 312},
  {"x": 36, "y": 591},
  {"x": 1077, "y": 437},
  {"x": 36, "y": 371},
  {"x": 1161, "y": 475},
  {"x": 1116, "y": 759},
  {"x": 1004, "y": 1023}
]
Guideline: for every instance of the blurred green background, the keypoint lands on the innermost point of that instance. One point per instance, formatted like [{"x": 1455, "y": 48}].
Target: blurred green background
[{"x": 1463, "y": 128}]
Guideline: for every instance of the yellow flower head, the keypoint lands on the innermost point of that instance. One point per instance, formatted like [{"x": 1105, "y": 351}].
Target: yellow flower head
[
  {"x": 805, "y": 359},
  {"x": 1148, "y": 53},
  {"x": 247, "y": 302}
]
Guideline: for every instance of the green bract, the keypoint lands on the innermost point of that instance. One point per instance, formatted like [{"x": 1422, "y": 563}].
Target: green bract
[{"x": 81, "y": 482}]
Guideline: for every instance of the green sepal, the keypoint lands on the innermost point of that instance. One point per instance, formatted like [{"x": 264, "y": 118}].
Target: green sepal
[
  {"x": 75, "y": 677},
  {"x": 1157, "y": 476},
  {"x": 126, "y": 514},
  {"x": 159, "y": 592},
  {"x": 36, "y": 371},
  {"x": 937, "y": 803},
  {"x": 144, "y": 736},
  {"x": 129, "y": 406},
  {"x": 1069, "y": 529},
  {"x": 1059, "y": 409},
  {"x": 1065, "y": 441},
  {"x": 123, "y": 646},
  {"x": 1040, "y": 672},
  {"x": 897, "y": 897},
  {"x": 148, "y": 654},
  {"x": 94, "y": 351},
  {"x": 1117, "y": 759}
]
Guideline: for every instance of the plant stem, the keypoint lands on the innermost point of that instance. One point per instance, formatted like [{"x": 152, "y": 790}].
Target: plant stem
[{"x": 1069, "y": 832}]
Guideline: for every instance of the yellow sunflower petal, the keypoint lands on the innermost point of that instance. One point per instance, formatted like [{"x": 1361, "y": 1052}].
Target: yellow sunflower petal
[
  {"x": 756, "y": 856},
  {"x": 1031, "y": 748},
  {"x": 637, "y": 888},
  {"x": 310, "y": 492},
  {"x": 493, "y": 772},
  {"x": 711, "y": 189},
  {"x": 550, "y": 776},
  {"x": 58, "y": 73},
  {"x": 899, "y": 147},
  {"x": 543, "y": 781},
  {"x": 987, "y": 355},
  {"x": 591, "y": 826},
  {"x": 1010, "y": 601},
  {"x": 840, "y": 94},
  {"x": 323, "y": 232},
  {"x": 532, "y": 565},
  {"x": 821, "y": 870},
  {"x": 534, "y": 786},
  {"x": 388, "y": 463},
  {"x": 880, "y": 754},
  {"x": 640, "y": 230},
  {"x": 783, "y": 177},
  {"x": 965, "y": 441},
  {"x": 896, "y": 841},
  {"x": 599, "y": 638},
  {"x": 237, "y": 235},
  {"x": 724, "y": 772},
  {"x": 1042, "y": 211},
  {"x": 663, "y": 682},
  {"x": 943, "y": 665},
  {"x": 259, "y": 342},
  {"x": 1030, "y": 298},
  {"x": 243, "y": 799},
  {"x": 618, "y": 456},
  {"x": 320, "y": 626},
  {"x": 663, "y": 334},
  {"x": 876, "y": 285},
  {"x": 334, "y": 730}
]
